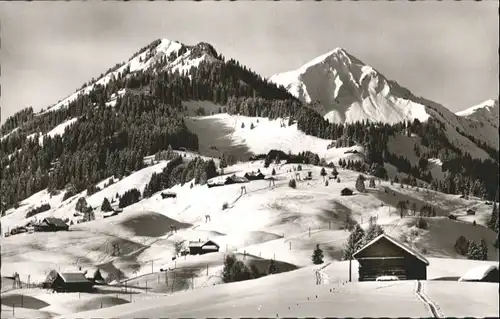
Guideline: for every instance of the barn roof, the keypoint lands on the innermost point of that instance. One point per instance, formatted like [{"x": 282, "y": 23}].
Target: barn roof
[
  {"x": 395, "y": 242},
  {"x": 76, "y": 277},
  {"x": 55, "y": 221},
  {"x": 202, "y": 243},
  {"x": 478, "y": 273}
]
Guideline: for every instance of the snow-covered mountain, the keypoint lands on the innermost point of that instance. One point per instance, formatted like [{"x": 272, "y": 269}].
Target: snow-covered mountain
[
  {"x": 347, "y": 90},
  {"x": 344, "y": 90},
  {"x": 166, "y": 54},
  {"x": 482, "y": 112},
  {"x": 481, "y": 121}
]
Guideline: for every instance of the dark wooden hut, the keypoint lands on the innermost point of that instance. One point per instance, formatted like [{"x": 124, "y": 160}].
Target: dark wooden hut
[
  {"x": 346, "y": 192},
  {"x": 68, "y": 282},
  {"x": 385, "y": 256},
  {"x": 168, "y": 195},
  {"x": 471, "y": 212},
  {"x": 202, "y": 247},
  {"x": 252, "y": 176}
]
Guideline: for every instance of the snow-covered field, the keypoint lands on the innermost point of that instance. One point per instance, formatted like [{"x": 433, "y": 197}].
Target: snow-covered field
[
  {"x": 279, "y": 136},
  {"x": 264, "y": 223}
]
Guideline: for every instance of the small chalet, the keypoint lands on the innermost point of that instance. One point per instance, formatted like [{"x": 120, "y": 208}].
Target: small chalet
[
  {"x": 200, "y": 247},
  {"x": 68, "y": 282},
  {"x": 385, "y": 256},
  {"x": 346, "y": 192},
  {"x": 470, "y": 211},
  {"x": 252, "y": 176},
  {"x": 51, "y": 224}
]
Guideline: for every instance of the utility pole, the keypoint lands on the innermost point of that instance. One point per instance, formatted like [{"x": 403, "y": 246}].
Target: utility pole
[
  {"x": 350, "y": 278},
  {"x": 207, "y": 269},
  {"x": 309, "y": 231},
  {"x": 152, "y": 266}
]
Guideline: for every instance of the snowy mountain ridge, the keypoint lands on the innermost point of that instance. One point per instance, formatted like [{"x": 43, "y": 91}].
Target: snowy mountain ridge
[
  {"x": 348, "y": 90},
  {"x": 187, "y": 57},
  {"x": 343, "y": 89}
]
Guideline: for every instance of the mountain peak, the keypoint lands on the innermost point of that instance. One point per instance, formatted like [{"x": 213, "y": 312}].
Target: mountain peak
[{"x": 486, "y": 106}]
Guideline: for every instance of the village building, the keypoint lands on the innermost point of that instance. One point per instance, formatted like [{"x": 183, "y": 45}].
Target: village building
[
  {"x": 385, "y": 256},
  {"x": 346, "y": 192},
  {"x": 68, "y": 282},
  {"x": 252, "y": 176},
  {"x": 200, "y": 247},
  {"x": 51, "y": 224}
]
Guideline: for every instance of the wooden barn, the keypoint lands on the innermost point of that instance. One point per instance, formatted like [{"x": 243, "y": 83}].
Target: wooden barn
[
  {"x": 200, "y": 247},
  {"x": 385, "y": 256},
  {"x": 51, "y": 224},
  {"x": 346, "y": 192},
  {"x": 68, "y": 282}
]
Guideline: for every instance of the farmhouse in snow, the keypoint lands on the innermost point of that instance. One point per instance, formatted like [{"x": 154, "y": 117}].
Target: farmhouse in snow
[
  {"x": 68, "y": 282},
  {"x": 200, "y": 247},
  {"x": 51, "y": 224},
  {"x": 385, "y": 256}
]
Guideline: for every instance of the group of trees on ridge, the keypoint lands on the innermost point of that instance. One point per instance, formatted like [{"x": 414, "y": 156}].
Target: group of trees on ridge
[{"x": 107, "y": 141}]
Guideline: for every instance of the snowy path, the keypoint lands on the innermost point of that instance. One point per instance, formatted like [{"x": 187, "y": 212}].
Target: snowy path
[{"x": 431, "y": 305}]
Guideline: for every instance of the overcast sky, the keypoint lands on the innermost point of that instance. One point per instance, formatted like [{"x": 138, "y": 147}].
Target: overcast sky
[{"x": 447, "y": 52}]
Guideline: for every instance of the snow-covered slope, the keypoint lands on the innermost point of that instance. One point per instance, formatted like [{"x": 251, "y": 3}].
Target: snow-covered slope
[{"x": 347, "y": 90}]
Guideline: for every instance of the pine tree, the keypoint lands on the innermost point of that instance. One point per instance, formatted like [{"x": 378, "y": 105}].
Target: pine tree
[
  {"x": 354, "y": 242},
  {"x": 271, "y": 269},
  {"x": 323, "y": 172},
  {"x": 81, "y": 205},
  {"x": 374, "y": 230},
  {"x": 473, "y": 252},
  {"x": 273, "y": 172},
  {"x": 493, "y": 217},
  {"x": 402, "y": 208},
  {"x": 483, "y": 248},
  {"x": 360, "y": 184},
  {"x": 372, "y": 183},
  {"x": 227, "y": 275},
  {"x": 317, "y": 256},
  {"x": 106, "y": 206}
]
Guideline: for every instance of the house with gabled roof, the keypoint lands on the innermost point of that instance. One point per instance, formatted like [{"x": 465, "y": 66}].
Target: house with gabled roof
[
  {"x": 51, "y": 224},
  {"x": 68, "y": 282},
  {"x": 385, "y": 256},
  {"x": 202, "y": 247}
]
